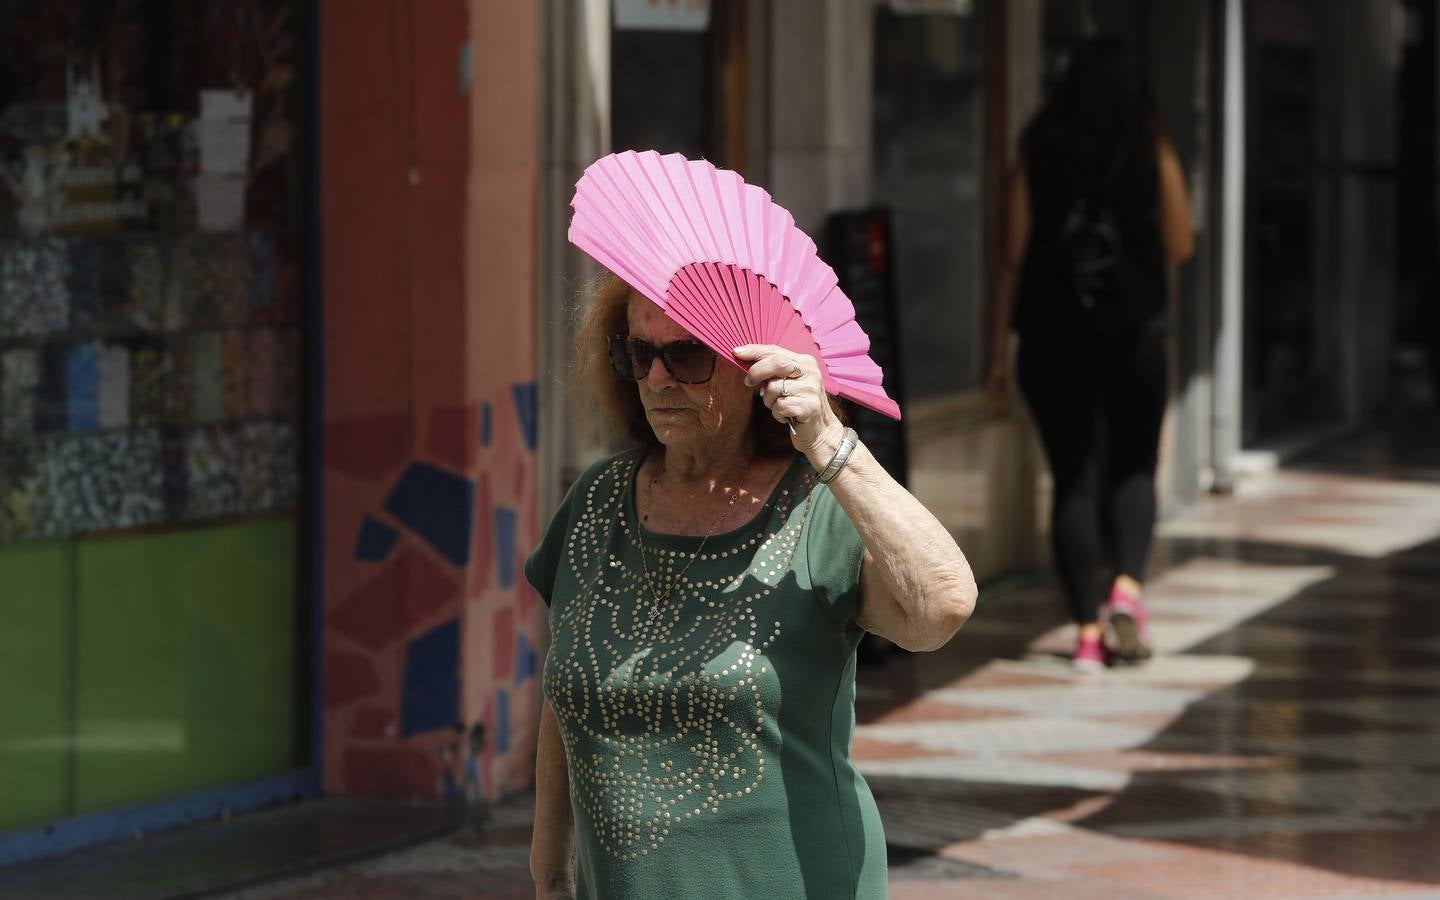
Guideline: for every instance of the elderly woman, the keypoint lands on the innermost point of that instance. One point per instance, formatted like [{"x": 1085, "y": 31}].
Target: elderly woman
[{"x": 707, "y": 590}]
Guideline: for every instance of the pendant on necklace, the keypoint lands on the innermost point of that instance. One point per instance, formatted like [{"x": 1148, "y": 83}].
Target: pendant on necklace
[{"x": 654, "y": 614}]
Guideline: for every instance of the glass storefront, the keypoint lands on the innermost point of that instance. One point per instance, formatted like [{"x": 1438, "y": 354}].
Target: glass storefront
[
  {"x": 929, "y": 118},
  {"x": 1292, "y": 363},
  {"x": 152, "y": 296},
  {"x": 662, "y": 79}
]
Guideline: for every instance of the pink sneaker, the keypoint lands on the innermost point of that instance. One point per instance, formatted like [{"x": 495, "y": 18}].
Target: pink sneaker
[
  {"x": 1127, "y": 632},
  {"x": 1089, "y": 654}
]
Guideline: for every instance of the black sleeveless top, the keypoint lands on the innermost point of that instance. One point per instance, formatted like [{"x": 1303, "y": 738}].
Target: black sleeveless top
[{"x": 1126, "y": 184}]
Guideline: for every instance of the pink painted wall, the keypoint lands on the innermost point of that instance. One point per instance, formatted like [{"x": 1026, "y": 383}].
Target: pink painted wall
[
  {"x": 429, "y": 272},
  {"x": 501, "y": 280}
]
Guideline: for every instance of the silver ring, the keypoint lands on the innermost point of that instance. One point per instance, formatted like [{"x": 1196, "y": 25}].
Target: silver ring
[
  {"x": 795, "y": 370},
  {"x": 784, "y": 387}
]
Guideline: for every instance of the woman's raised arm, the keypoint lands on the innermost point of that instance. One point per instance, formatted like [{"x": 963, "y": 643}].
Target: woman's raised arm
[{"x": 916, "y": 587}]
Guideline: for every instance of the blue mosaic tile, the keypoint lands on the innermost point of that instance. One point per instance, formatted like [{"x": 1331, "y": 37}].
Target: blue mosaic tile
[
  {"x": 505, "y": 521},
  {"x": 437, "y": 506},
  {"x": 526, "y": 397},
  {"x": 376, "y": 540},
  {"x": 525, "y": 659},
  {"x": 430, "y": 696},
  {"x": 502, "y": 722}
]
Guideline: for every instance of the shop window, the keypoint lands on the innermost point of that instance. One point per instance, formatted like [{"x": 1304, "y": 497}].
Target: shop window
[
  {"x": 1291, "y": 355},
  {"x": 662, "y": 77},
  {"x": 152, "y": 258},
  {"x": 928, "y": 151}
]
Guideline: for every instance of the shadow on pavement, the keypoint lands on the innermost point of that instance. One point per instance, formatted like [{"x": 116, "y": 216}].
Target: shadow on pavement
[{"x": 1323, "y": 756}]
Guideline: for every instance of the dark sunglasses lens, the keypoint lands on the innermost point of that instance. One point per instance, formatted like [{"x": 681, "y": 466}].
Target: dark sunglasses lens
[
  {"x": 642, "y": 357},
  {"x": 690, "y": 362},
  {"x": 621, "y": 359}
]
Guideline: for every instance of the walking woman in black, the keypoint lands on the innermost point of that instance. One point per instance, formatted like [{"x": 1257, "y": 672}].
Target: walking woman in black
[{"x": 1098, "y": 216}]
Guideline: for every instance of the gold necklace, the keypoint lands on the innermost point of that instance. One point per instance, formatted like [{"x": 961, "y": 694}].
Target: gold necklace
[{"x": 644, "y": 551}]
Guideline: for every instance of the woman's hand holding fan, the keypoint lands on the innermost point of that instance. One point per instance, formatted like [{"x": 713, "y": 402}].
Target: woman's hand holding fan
[{"x": 792, "y": 389}]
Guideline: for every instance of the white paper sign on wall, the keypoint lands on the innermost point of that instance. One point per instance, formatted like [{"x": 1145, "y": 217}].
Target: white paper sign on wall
[
  {"x": 662, "y": 15},
  {"x": 933, "y": 7}
]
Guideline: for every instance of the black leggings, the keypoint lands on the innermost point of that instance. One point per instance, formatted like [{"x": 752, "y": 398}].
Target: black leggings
[{"x": 1075, "y": 385}]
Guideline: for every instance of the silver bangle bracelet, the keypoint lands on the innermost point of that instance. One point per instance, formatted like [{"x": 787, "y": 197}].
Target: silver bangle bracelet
[{"x": 848, "y": 440}]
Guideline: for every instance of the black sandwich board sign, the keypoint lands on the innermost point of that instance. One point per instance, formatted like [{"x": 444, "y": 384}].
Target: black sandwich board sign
[{"x": 857, "y": 246}]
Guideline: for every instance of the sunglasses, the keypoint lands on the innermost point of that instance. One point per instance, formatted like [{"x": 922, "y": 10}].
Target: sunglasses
[{"x": 690, "y": 362}]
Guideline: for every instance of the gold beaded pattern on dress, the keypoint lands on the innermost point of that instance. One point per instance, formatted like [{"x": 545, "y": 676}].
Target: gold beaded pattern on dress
[{"x": 662, "y": 719}]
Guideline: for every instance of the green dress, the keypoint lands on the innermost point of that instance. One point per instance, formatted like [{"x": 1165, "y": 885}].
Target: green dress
[{"x": 708, "y": 736}]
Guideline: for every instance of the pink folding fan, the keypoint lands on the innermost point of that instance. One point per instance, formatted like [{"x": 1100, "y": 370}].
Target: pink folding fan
[{"x": 725, "y": 262}]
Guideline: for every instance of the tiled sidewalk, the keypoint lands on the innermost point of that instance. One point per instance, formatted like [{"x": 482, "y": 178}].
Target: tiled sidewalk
[{"x": 1285, "y": 743}]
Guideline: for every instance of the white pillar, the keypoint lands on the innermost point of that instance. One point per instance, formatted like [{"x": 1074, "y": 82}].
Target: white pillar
[
  {"x": 575, "y": 130},
  {"x": 1229, "y": 333}
]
